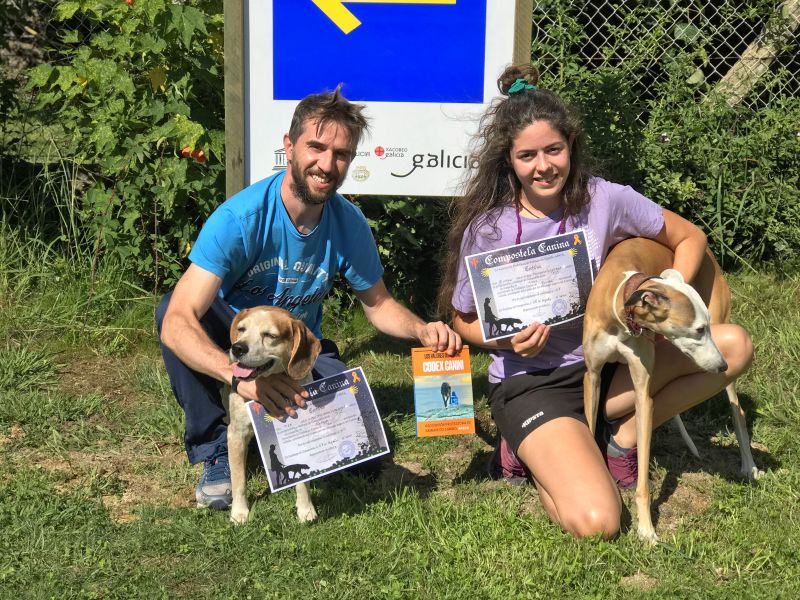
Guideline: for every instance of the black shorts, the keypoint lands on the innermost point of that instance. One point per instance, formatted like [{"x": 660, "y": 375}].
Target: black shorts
[{"x": 524, "y": 402}]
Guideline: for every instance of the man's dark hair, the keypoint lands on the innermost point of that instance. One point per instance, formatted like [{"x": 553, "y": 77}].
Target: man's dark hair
[{"x": 329, "y": 107}]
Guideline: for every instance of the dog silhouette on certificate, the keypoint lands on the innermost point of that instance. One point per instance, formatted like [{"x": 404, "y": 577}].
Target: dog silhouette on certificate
[
  {"x": 284, "y": 473},
  {"x": 499, "y": 326}
]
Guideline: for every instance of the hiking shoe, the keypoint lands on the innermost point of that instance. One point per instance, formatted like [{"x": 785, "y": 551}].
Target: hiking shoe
[
  {"x": 214, "y": 488},
  {"x": 622, "y": 463},
  {"x": 504, "y": 464},
  {"x": 624, "y": 468}
]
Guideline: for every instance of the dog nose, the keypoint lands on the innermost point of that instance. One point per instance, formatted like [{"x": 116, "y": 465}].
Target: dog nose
[
  {"x": 239, "y": 349},
  {"x": 723, "y": 367}
]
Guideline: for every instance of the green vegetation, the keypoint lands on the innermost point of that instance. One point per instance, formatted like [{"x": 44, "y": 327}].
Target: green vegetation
[
  {"x": 97, "y": 205},
  {"x": 98, "y": 497}
]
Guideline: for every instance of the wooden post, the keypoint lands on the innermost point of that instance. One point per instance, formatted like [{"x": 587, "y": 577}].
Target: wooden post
[
  {"x": 757, "y": 58},
  {"x": 522, "y": 32},
  {"x": 234, "y": 97}
]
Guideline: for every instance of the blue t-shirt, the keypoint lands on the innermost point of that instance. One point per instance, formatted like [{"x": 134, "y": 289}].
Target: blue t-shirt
[{"x": 250, "y": 242}]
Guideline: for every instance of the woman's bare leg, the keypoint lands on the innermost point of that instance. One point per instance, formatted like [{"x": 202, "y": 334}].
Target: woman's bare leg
[
  {"x": 571, "y": 475},
  {"x": 677, "y": 385}
]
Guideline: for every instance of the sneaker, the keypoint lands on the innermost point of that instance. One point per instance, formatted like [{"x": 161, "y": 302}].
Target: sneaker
[
  {"x": 504, "y": 464},
  {"x": 623, "y": 463},
  {"x": 624, "y": 469},
  {"x": 214, "y": 488}
]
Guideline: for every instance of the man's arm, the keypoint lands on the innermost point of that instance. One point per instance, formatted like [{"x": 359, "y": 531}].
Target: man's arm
[
  {"x": 392, "y": 318},
  {"x": 181, "y": 330},
  {"x": 182, "y": 333}
]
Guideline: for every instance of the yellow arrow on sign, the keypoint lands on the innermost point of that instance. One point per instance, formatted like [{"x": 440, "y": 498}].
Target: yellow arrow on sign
[{"x": 347, "y": 21}]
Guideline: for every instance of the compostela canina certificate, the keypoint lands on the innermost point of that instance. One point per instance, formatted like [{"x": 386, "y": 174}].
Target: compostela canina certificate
[
  {"x": 546, "y": 281},
  {"x": 339, "y": 427}
]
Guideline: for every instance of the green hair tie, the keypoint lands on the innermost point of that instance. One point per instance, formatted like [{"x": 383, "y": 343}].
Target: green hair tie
[{"x": 519, "y": 85}]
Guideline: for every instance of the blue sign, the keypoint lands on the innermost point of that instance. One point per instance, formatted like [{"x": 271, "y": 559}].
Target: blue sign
[{"x": 382, "y": 50}]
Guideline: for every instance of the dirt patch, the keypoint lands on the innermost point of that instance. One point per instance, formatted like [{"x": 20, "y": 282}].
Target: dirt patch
[
  {"x": 123, "y": 481},
  {"x": 15, "y": 433},
  {"x": 104, "y": 375},
  {"x": 638, "y": 582},
  {"x": 685, "y": 500}
]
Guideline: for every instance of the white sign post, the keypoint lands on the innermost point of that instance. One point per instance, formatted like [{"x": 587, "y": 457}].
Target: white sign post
[{"x": 425, "y": 69}]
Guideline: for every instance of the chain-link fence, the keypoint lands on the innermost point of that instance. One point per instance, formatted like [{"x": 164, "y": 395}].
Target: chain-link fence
[{"x": 744, "y": 51}]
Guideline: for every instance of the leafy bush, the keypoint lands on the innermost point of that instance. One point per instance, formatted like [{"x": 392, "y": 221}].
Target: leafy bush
[
  {"x": 410, "y": 234},
  {"x": 732, "y": 171},
  {"x": 135, "y": 89},
  {"x": 137, "y": 100}
]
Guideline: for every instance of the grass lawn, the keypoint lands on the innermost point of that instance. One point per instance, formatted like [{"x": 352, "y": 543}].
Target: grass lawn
[{"x": 97, "y": 498}]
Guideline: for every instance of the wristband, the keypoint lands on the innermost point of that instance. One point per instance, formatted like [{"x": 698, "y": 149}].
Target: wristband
[{"x": 235, "y": 384}]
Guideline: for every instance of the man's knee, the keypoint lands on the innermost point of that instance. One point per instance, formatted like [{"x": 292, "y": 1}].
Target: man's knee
[{"x": 161, "y": 310}]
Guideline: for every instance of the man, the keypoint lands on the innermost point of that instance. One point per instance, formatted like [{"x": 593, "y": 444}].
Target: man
[{"x": 279, "y": 242}]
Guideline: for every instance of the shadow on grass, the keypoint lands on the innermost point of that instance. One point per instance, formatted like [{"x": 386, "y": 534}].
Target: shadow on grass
[
  {"x": 702, "y": 423},
  {"x": 353, "y": 490}
]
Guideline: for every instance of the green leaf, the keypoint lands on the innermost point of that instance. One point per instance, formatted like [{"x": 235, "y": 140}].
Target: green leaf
[
  {"x": 65, "y": 10},
  {"x": 39, "y": 76},
  {"x": 686, "y": 32}
]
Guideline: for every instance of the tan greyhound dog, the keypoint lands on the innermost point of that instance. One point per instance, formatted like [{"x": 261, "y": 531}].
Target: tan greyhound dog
[{"x": 626, "y": 308}]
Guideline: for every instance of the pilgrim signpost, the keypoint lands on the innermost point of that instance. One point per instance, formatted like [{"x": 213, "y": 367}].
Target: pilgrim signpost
[{"x": 425, "y": 69}]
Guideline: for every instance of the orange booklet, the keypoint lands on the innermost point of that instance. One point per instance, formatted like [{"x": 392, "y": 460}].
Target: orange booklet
[{"x": 442, "y": 392}]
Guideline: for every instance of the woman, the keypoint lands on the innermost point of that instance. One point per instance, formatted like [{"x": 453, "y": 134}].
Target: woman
[{"x": 531, "y": 183}]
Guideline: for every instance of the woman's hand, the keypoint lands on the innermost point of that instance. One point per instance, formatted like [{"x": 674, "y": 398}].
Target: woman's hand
[{"x": 531, "y": 340}]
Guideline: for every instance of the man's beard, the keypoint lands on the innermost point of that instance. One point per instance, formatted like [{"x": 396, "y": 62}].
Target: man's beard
[{"x": 300, "y": 189}]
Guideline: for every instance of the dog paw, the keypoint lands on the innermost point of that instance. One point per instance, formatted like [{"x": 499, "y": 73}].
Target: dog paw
[
  {"x": 648, "y": 535},
  {"x": 752, "y": 473},
  {"x": 306, "y": 514},
  {"x": 239, "y": 516}
]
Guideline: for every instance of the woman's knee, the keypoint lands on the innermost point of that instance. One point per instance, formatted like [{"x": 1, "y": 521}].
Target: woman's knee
[
  {"x": 736, "y": 346},
  {"x": 594, "y": 520}
]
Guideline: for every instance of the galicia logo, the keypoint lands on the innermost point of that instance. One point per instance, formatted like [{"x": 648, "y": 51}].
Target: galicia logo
[
  {"x": 439, "y": 161},
  {"x": 390, "y": 152}
]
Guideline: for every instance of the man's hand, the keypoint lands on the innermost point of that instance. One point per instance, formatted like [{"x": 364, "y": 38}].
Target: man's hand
[
  {"x": 530, "y": 341},
  {"x": 439, "y": 337},
  {"x": 279, "y": 394}
]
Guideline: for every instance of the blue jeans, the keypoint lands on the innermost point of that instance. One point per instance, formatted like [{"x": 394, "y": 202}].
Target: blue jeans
[{"x": 200, "y": 395}]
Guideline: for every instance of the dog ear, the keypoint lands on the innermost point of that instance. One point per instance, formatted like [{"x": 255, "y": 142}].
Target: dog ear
[
  {"x": 673, "y": 275},
  {"x": 305, "y": 349},
  {"x": 235, "y": 324},
  {"x": 648, "y": 297}
]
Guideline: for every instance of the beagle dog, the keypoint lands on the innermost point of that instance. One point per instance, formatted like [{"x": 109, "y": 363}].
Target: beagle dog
[{"x": 265, "y": 340}]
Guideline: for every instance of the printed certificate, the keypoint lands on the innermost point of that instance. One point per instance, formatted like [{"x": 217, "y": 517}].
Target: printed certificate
[
  {"x": 546, "y": 281},
  {"x": 339, "y": 427}
]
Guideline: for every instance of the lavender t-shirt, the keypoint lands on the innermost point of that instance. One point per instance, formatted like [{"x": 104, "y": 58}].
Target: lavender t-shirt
[{"x": 615, "y": 213}]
